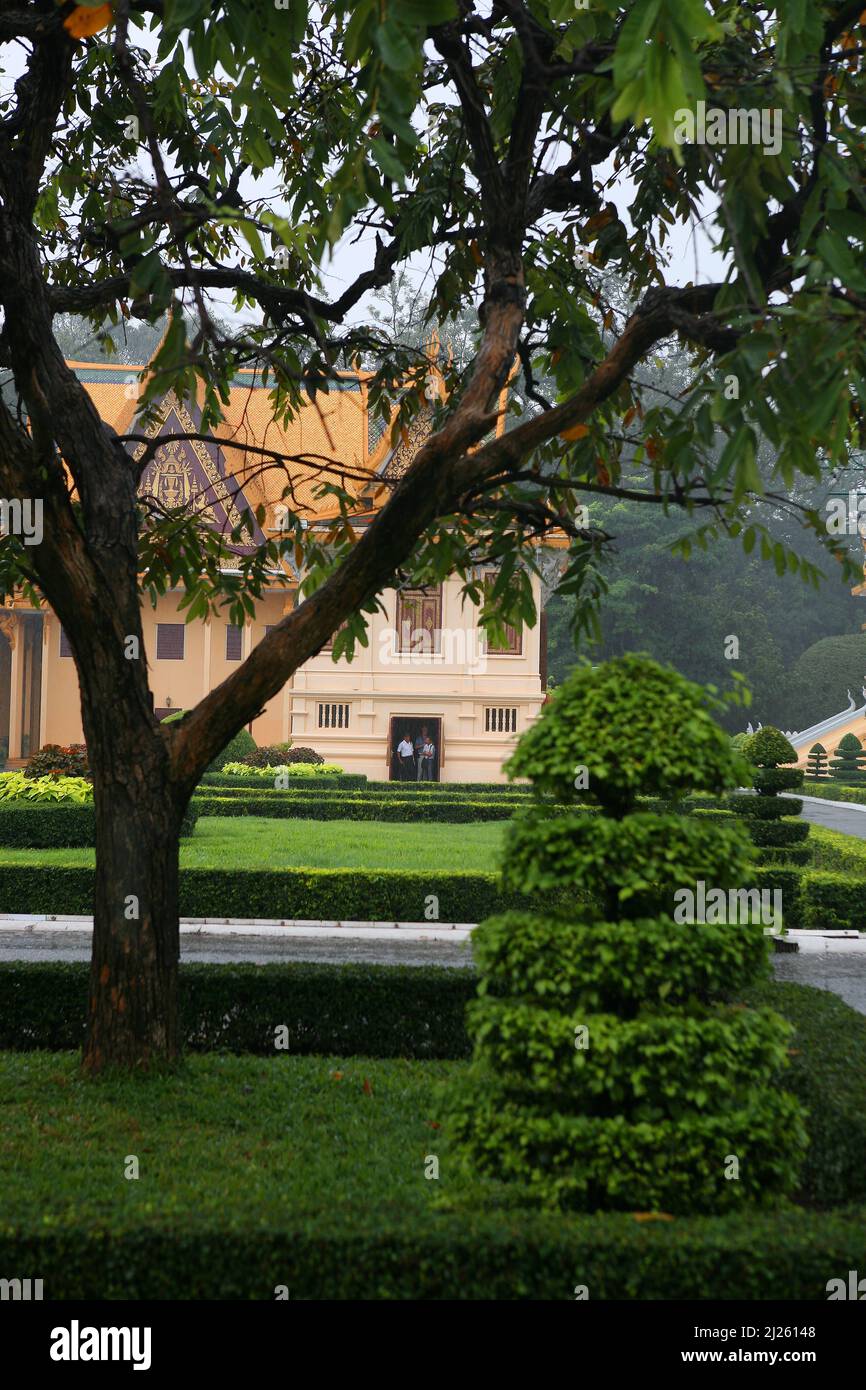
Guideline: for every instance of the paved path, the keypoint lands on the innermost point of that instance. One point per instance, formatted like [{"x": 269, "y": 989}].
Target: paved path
[
  {"x": 836, "y": 815},
  {"x": 389, "y": 947}
]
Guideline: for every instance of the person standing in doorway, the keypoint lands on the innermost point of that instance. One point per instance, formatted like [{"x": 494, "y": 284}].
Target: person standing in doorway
[
  {"x": 420, "y": 740},
  {"x": 427, "y": 758},
  {"x": 406, "y": 759}
]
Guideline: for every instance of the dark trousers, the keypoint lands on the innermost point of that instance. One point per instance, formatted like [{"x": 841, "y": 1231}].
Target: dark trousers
[{"x": 407, "y": 769}]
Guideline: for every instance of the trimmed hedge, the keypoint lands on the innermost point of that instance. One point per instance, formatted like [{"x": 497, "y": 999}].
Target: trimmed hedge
[
  {"x": 384, "y": 895},
  {"x": 58, "y": 825},
  {"x": 284, "y": 806},
  {"x": 342, "y": 1010},
  {"x": 332, "y": 780},
  {"x": 788, "y": 1255}
]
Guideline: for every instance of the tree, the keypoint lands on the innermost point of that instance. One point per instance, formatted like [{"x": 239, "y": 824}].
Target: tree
[
  {"x": 483, "y": 140},
  {"x": 599, "y": 1080},
  {"x": 817, "y": 769},
  {"x": 849, "y": 764}
]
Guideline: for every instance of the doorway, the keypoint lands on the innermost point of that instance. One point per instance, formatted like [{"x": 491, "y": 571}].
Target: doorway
[{"x": 408, "y": 726}]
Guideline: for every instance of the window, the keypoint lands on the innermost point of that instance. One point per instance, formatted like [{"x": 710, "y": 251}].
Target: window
[
  {"x": 169, "y": 641},
  {"x": 419, "y": 620},
  {"x": 65, "y": 649},
  {"x": 234, "y": 642},
  {"x": 513, "y": 643},
  {"x": 333, "y": 716},
  {"x": 500, "y": 719}
]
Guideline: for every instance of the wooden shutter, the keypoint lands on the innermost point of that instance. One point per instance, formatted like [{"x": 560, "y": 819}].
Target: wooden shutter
[
  {"x": 234, "y": 642},
  {"x": 169, "y": 641}
]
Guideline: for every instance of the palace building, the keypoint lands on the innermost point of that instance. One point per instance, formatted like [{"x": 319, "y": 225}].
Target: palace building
[{"x": 426, "y": 663}]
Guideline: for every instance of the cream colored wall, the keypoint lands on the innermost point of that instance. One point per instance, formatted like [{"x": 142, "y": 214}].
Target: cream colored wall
[{"x": 380, "y": 683}]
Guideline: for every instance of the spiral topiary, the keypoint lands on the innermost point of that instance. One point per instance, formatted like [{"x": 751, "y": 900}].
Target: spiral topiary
[
  {"x": 779, "y": 837},
  {"x": 817, "y": 766},
  {"x": 606, "y": 1074},
  {"x": 848, "y": 764}
]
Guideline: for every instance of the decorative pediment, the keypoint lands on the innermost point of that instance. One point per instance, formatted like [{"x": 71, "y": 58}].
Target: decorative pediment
[{"x": 191, "y": 474}]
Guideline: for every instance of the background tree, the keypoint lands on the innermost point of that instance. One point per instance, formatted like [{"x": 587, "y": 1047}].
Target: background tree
[{"x": 193, "y": 148}]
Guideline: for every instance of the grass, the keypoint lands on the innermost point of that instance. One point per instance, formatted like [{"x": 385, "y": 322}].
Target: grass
[
  {"x": 223, "y": 842},
  {"x": 238, "y": 1142}
]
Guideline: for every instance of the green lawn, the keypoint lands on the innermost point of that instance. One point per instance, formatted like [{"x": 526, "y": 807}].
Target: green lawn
[
  {"x": 237, "y": 1142},
  {"x": 255, "y": 842}
]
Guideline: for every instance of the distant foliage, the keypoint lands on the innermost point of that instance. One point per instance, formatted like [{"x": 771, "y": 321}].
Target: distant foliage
[{"x": 239, "y": 747}]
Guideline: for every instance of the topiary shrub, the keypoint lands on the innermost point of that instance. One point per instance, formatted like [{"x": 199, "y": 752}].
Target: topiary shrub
[
  {"x": 237, "y": 748},
  {"x": 605, "y": 1075},
  {"x": 849, "y": 764},
  {"x": 817, "y": 763},
  {"x": 775, "y": 834},
  {"x": 56, "y": 760}
]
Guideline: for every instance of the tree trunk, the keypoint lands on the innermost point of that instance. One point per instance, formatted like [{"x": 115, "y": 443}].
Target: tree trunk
[{"x": 133, "y": 1012}]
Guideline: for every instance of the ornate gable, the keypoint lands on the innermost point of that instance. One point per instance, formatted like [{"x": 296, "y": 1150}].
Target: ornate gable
[{"x": 192, "y": 474}]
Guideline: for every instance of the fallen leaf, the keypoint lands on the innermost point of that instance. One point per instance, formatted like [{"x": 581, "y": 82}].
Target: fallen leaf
[
  {"x": 652, "y": 1216},
  {"x": 368, "y": 1089}
]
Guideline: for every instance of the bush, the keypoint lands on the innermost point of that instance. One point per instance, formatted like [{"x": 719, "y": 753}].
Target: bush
[
  {"x": 849, "y": 764},
  {"x": 777, "y": 834},
  {"x": 237, "y": 748},
  {"x": 834, "y": 902},
  {"x": 387, "y": 895},
  {"x": 775, "y": 837},
  {"x": 58, "y": 825},
  {"x": 282, "y": 755},
  {"x": 252, "y": 781},
  {"x": 270, "y": 771},
  {"x": 362, "y": 1010},
  {"x": 769, "y": 747},
  {"x": 52, "y": 758},
  {"x": 817, "y": 767},
  {"x": 616, "y": 1120},
  {"x": 16, "y": 786},
  {"x": 285, "y": 805},
  {"x": 475, "y": 1254}
]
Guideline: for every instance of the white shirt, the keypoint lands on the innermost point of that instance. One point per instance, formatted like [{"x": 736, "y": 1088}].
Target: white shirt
[
  {"x": 429, "y": 750},
  {"x": 405, "y": 749}
]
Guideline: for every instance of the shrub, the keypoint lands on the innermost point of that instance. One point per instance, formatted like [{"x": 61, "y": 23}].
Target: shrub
[
  {"x": 817, "y": 766},
  {"x": 52, "y": 758},
  {"x": 282, "y": 755},
  {"x": 58, "y": 825},
  {"x": 250, "y": 780},
  {"x": 595, "y": 1095},
  {"x": 387, "y": 895},
  {"x": 16, "y": 786},
  {"x": 849, "y": 764},
  {"x": 269, "y": 772},
  {"x": 236, "y": 748},
  {"x": 775, "y": 835},
  {"x": 343, "y": 806},
  {"x": 769, "y": 747}
]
